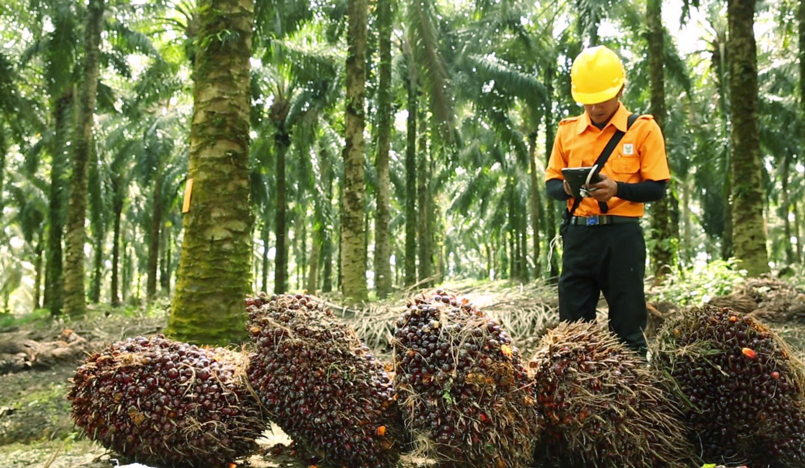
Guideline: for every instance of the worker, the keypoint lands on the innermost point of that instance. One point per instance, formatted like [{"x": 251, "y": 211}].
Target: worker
[{"x": 604, "y": 248}]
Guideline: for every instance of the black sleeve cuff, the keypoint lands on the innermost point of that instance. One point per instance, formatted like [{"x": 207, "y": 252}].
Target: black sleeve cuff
[
  {"x": 556, "y": 190},
  {"x": 641, "y": 192}
]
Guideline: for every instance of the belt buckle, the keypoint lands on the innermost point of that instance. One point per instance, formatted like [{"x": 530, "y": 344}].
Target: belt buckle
[{"x": 592, "y": 220}]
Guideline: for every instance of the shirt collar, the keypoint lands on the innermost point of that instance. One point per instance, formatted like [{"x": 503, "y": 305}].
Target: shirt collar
[{"x": 619, "y": 120}]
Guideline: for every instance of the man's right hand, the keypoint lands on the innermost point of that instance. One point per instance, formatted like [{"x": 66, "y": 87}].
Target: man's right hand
[{"x": 566, "y": 186}]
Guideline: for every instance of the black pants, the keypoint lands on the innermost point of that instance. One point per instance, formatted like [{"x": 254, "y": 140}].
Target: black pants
[{"x": 609, "y": 259}]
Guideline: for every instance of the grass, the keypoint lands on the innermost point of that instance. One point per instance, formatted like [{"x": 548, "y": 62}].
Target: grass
[{"x": 39, "y": 317}]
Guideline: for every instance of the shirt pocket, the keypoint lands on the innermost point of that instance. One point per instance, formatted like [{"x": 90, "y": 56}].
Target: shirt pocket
[{"x": 624, "y": 165}]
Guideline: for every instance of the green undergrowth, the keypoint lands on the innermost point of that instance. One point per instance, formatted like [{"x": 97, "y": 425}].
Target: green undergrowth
[
  {"x": 39, "y": 317},
  {"x": 33, "y": 406},
  {"x": 697, "y": 284}
]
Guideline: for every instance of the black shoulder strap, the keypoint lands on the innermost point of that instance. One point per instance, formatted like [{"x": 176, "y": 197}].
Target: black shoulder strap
[
  {"x": 631, "y": 120},
  {"x": 600, "y": 162},
  {"x": 611, "y": 145}
]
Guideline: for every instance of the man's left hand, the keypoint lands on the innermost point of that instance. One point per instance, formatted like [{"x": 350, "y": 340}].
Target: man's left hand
[{"x": 605, "y": 189}]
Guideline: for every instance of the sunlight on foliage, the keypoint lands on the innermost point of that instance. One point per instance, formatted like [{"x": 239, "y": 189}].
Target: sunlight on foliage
[{"x": 696, "y": 285}]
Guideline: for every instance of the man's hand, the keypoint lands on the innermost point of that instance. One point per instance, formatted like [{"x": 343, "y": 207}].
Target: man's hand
[
  {"x": 605, "y": 189},
  {"x": 566, "y": 186}
]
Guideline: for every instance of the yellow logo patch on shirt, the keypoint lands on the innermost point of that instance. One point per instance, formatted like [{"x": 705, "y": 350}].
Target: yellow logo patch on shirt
[{"x": 628, "y": 149}]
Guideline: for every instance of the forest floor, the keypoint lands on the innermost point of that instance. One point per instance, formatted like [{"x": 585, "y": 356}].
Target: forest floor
[{"x": 35, "y": 425}]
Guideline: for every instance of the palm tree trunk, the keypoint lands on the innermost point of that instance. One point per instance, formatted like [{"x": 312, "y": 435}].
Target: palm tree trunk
[
  {"x": 327, "y": 253},
  {"x": 383, "y": 219},
  {"x": 340, "y": 230},
  {"x": 75, "y": 236},
  {"x": 266, "y": 233},
  {"x": 167, "y": 259},
  {"x": 662, "y": 255},
  {"x": 54, "y": 280},
  {"x": 97, "y": 270},
  {"x": 727, "y": 244},
  {"x": 534, "y": 197},
  {"x": 687, "y": 244},
  {"x": 524, "y": 276},
  {"x": 410, "y": 182},
  {"x": 3, "y": 150},
  {"x": 785, "y": 208},
  {"x": 502, "y": 256},
  {"x": 720, "y": 63},
  {"x": 801, "y": 24},
  {"x": 137, "y": 295},
  {"x": 327, "y": 241},
  {"x": 749, "y": 235},
  {"x": 797, "y": 231},
  {"x": 399, "y": 271},
  {"x": 118, "y": 211},
  {"x": 294, "y": 247},
  {"x": 281, "y": 257},
  {"x": 38, "y": 269},
  {"x": 489, "y": 265},
  {"x": 313, "y": 275},
  {"x": 509, "y": 233},
  {"x": 514, "y": 243},
  {"x": 125, "y": 273},
  {"x": 154, "y": 238},
  {"x": 163, "y": 260},
  {"x": 550, "y": 75},
  {"x": 302, "y": 260},
  {"x": 215, "y": 263},
  {"x": 352, "y": 231},
  {"x": 367, "y": 233},
  {"x": 423, "y": 233},
  {"x": 434, "y": 240},
  {"x": 674, "y": 216}
]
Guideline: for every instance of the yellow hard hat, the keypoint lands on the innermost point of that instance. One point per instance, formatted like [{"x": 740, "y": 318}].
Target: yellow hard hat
[{"x": 597, "y": 75}]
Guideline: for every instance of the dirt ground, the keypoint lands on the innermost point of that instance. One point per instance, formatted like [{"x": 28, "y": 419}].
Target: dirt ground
[{"x": 35, "y": 425}]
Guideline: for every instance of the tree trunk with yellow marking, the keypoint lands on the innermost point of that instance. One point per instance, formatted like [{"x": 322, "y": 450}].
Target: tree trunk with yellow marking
[{"x": 214, "y": 273}]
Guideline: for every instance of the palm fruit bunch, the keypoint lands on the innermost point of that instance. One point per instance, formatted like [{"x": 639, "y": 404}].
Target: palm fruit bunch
[
  {"x": 167, "y": 403},
  {"x": 257, "y": 301},
  {"x": 741, "y": 386},
  {"x": 322, "y": 386},
  {"x": 602, "y": 405},
  {"x": 465, "y": 393}
]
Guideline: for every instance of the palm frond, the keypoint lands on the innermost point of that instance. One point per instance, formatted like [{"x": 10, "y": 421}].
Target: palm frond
[
  {"x": 173, "y": 179},
  {"x": 106, "y": 98},
  {"x": 470, "y": 191},
  {"x": 309, "y": 63},
  {"x": 125, "y": 40},
  {"x": 61, "y": 49},
  {"x": 423, "y": 39},
  {"x": 280, "y": 18},
  {"x": 159, "y": 82},
  {"x": 116, "y": 60},
  {"x": 35, "y": 49},
  {"x": 514, "y": 82},
  {"x": 590, "y": 14},
  {"x": 259, "y": 188},
  {"x": 29, "y": 195},
  {"x": 675, "y": 66}
]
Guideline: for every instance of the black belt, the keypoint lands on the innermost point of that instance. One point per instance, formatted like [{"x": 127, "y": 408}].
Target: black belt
[{"x": 602, "y": 220}]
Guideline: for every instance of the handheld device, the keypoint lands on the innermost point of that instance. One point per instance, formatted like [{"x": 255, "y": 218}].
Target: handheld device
[{"x": 579, "y": 178}]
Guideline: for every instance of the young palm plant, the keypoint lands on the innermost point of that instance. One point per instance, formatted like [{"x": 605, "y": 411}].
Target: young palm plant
[{"x": 301, "y": 77}]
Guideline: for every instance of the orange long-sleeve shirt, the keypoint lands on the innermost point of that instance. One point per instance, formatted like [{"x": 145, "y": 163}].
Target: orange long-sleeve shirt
[{"x": 639, "y": 156}]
